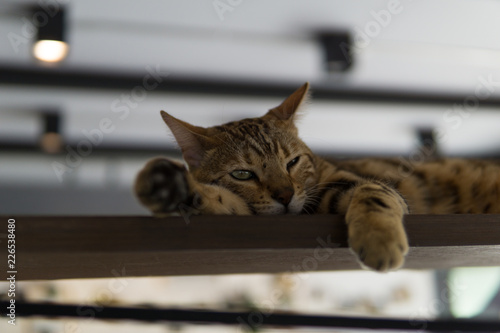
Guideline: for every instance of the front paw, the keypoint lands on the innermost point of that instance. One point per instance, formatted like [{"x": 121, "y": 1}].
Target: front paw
[
  {"x": 380, "y": 245},
  {"x": 162, "y": 185}
]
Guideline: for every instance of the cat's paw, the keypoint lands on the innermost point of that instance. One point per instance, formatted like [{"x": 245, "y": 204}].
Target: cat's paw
[
  {"x": 379, "y": 245},
  {"x": 162, "y": 185}
]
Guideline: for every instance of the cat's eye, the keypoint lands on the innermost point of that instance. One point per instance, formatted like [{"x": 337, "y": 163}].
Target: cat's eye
[
  {"x": 292, "y": 162},
  {"x": 242, "y": 174}
]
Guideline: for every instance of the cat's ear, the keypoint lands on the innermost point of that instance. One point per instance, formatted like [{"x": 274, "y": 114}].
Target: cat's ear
[
  {"x": 293, "y": 102},
  {"x": 192, "y": 139}
]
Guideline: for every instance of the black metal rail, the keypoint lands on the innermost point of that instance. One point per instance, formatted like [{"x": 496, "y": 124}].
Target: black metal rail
[
  {"x": 252, "y": 319},
  {"x": 58, "y": 77}
]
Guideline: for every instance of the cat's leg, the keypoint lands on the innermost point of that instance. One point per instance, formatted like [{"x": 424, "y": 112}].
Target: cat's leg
[
  {"x": 165, "y": 187},
  {"x": 374, "y": 217}
]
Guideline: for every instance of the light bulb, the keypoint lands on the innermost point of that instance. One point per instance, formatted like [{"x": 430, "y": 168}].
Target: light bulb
[{"x": 50, "y": 50}]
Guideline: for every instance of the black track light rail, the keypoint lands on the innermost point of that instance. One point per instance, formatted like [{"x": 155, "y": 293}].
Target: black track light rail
[
  {"x": 253, "y": 319},
  {"x": 85, "y": 79}
]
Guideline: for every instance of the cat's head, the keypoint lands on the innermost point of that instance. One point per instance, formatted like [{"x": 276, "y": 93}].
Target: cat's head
[{"x": 260, "y": 159}]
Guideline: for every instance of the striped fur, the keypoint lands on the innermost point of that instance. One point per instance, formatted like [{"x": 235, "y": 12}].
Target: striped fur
[{"x": 287, "y": 178}]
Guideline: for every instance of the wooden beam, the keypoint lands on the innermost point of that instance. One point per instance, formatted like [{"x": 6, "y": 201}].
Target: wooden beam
[{"x": 91, "y": 247}]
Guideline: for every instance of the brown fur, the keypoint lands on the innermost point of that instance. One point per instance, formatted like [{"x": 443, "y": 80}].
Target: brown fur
[{"x": 374, "y": 194}]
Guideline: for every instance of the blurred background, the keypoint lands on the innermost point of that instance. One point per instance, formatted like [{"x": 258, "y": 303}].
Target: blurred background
[{"x": 82, "y": 83}]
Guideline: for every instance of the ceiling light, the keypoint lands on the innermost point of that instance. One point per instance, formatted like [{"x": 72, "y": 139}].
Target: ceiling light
[
  {"x": 337, "y": 50},
  {"x": 51, "y": 140},
  {"x": 50, "y": 50},
  {"x": 50, "y": 45}
]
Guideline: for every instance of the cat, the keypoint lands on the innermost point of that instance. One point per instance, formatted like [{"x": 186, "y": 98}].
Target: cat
[{"x": 261, "y": 166}]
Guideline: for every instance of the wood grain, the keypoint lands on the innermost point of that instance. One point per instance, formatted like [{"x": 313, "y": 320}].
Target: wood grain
[{"x": 97, "y": 246}]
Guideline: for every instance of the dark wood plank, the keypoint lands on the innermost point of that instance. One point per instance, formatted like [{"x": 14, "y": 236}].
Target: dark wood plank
[{"x": 88, "y": 247}]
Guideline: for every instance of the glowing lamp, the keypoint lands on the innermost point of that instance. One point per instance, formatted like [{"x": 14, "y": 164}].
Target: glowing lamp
[
  {"x": 50, "y": 50},
  {"x": 50, "y": 45}
]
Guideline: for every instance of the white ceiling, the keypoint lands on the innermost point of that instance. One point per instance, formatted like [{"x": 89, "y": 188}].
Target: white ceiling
[
  {"x": 433, "y": 45},
  {"x": 446, "y": 46}
]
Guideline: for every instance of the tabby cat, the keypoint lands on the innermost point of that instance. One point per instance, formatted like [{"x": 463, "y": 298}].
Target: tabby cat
[{"x": 260, "y": 166}]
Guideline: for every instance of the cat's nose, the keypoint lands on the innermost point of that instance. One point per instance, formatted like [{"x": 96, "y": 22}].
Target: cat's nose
[{"x": 283, "y": 196}]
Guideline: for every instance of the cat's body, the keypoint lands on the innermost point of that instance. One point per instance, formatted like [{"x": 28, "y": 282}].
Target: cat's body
[{"x": 260, "y": 166}]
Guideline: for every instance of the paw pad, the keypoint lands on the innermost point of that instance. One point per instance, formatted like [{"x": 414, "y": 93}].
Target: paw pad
[{"x": 162, "y": 184}]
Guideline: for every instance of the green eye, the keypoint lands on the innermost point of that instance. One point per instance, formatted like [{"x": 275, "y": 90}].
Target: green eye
[
  {"x": 292, "y": 162},
  {"x": 242, "y": 174}
]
